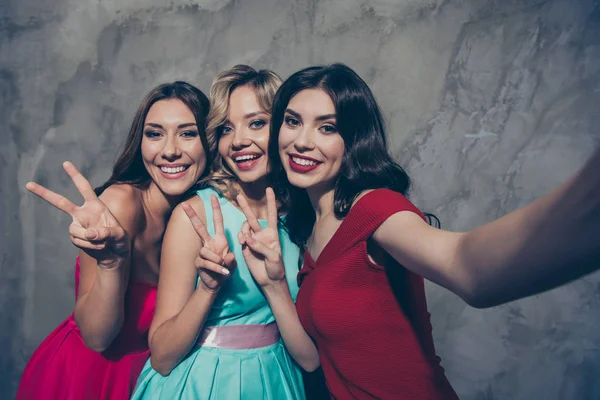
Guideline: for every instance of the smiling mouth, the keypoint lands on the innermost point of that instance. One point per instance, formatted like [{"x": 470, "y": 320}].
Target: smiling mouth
[
  {"x": 246, "y": 158},
  {"x": 173, "y": 170},
  {"x": 303, "y": 164}
]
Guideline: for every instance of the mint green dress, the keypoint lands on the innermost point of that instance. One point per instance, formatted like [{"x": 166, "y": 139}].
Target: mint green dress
[{"x": 223, "y": 374}]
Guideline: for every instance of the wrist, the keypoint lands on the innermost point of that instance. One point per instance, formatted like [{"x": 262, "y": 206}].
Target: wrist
[
  {"x": 110, "y": 265},
  {"x": 276, "y": 288},
  {"x": 207, "y": 290}
]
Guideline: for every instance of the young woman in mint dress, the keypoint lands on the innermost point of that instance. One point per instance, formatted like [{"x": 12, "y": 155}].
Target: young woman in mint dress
[{"x": 214, "y": 335}]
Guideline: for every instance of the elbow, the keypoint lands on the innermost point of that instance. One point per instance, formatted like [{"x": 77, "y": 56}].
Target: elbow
[
  {"x": 98, "y": 340},
  {"x": 161, "y": 366},
  {"x": 478, "y": 295},
  {"x": 310, "y": 366},
  {"x": 96, "y": 343}
]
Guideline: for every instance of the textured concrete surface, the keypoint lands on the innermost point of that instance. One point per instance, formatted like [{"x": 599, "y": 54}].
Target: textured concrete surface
[{"x": 490, "y": 104}]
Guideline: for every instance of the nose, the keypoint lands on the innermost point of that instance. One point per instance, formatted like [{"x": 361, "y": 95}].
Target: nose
[
  {"x": 171, "y": 150},
  {"x": 305, "y": 140},
  {"x": 241, "y": 139}
]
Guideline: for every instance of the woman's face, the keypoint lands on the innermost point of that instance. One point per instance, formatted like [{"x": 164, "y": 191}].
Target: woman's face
[
  {"x": 245, "y": 136},
  {"x": 171, "y": 148},
  {"x": 310, "y": 147}
]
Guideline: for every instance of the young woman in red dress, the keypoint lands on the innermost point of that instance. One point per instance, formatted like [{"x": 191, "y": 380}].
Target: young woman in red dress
[
  {"x": 99, "y": 351},
  {"x": 367, "y": 247}
]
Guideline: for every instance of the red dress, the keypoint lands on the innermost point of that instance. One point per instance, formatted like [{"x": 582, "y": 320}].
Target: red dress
[
  {"x": 63, "y": 368},
  {"x": 370, "y": 324}
]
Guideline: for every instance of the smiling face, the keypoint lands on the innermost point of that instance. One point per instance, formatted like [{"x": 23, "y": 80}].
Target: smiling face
[
  {"x": 245, "y": 136},
  {"x": 171, "y": 148},
  {"x": 310, "y": 147}
]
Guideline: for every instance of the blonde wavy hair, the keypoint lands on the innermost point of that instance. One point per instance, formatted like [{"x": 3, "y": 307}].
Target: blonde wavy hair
[{"x": 265, "y": 84}]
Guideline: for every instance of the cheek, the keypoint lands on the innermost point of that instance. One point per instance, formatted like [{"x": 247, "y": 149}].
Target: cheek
[
  {"x": 148, "y": 150},
  {"x": 261, "y": 138},
  {"x": 196, "y": 151},
  {"x": 286, "y": 137}
]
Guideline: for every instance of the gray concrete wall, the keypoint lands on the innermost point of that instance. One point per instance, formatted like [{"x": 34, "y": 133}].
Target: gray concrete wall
[{"x": 490, "y": 104}]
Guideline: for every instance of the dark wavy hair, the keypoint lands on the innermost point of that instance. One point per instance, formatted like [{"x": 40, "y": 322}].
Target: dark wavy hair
[
  {"x": 129, "y": 167},
  {"x": 366, "y": 163}
]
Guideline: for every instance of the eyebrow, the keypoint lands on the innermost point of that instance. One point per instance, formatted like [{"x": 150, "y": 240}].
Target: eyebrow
[
  {"x": 186, "y": 125},
  {"x": 254, "y": 114},
  {"x": 319, "y": 118},
  {"x": 247, "y": 116}
]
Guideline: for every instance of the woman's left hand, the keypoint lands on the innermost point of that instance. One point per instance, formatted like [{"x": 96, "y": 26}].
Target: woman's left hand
[{"x": 260, "y": 247}]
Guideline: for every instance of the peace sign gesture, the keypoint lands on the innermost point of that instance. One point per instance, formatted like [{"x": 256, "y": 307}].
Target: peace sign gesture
[
  {"x": 214, "y": 262},
  {"x": 94, "y": 229},
  {"x": 260, "y": 247}
]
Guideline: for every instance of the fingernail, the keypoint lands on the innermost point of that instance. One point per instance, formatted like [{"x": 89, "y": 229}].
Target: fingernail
[{"x": 225, "y": 271}]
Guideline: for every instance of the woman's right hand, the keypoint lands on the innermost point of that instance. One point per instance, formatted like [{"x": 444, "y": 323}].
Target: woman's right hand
[
  {"x": 215, "y": 262},
  {"x": 94, "y": 229}
]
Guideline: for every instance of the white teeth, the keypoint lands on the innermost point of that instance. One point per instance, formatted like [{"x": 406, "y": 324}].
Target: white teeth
[
  {"x": 172, "y": 170},
  {"x": 303, "y": 161},
  {"x": 246, "y": 157}
]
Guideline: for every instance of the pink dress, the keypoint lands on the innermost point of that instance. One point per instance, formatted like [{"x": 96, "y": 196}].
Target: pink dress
[{"x": 62, "y": 367}]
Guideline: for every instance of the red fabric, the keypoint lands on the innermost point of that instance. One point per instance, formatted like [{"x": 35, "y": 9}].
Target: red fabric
[
  {"x": 62, "y": 367},
  {"x": 371, "y": 327}
]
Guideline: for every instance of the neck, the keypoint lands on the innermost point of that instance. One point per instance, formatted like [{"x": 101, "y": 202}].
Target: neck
[
  {"x": 158, "y": 204},
  {"x": 321, "y": 200},
  {"x": 255, "y": 194}
]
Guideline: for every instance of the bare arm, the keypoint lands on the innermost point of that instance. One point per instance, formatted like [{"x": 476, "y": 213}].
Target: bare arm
[
  {"x": 297, "y": 341},
  {"x": 105, "y": 243},
  {"x": 99, "y": 310},
  {"x": 181, "y": 307},
  {"x": 550, "y": 242},
  {"x": 262, "y": 252}
]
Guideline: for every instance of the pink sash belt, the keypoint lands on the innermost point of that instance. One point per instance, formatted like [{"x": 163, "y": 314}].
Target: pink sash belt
[{"x": 239, "y": 336}]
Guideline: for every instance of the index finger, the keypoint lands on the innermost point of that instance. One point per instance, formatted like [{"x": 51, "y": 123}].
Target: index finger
[
  {"x": 196, "y": 222},
  {"x": 250, "y": 217},
  {"x": 271, "y": 210},
  {"x": 55, "y": 199},
  {"x": 217, "y": 215},
  {"x": 80, "y": 182}
]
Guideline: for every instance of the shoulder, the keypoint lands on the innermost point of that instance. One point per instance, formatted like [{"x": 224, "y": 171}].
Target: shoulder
[
  {"x": 124, "y": 202},
  {"x": 383, "y": 201},
  {"x": 197, "y": 205},
  {"x": 180, "y": 228}
]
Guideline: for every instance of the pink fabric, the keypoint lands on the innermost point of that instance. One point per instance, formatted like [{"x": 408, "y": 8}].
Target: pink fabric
[
  {"x": 63, "y": 367},
  {"x": 239, "y": 336}
]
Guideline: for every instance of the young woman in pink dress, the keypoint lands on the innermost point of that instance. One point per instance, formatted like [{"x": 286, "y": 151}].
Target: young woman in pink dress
[{"x": 99, "y": 351}]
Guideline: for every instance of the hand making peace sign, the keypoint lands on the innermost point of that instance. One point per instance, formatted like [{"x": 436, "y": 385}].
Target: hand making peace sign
[
  {"x": 94, "y": 229},
  {"x": 260, "y": 247},
  {"x": 214, "y": 262}
]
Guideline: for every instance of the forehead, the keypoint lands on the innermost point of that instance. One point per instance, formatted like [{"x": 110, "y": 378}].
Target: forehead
[
  {"x": 243, "y": 101},
  {"x": 312, "y": 102},
  {"x": 170, "y": 110}
]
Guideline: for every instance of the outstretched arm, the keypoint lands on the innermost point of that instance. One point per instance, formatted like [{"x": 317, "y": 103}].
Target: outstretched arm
[{"x": 550, "y": 242}]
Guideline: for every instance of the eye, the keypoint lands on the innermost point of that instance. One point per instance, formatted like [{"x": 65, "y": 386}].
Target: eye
[
  {"x": 257, "y": 124},
  {"x": 291, "y": 122},
  {"x": 328, "y": 129},
  {"x": 189, "y": 134},
  {"x": 152, "y": 134},
  {"x": 225, "y": 130}
]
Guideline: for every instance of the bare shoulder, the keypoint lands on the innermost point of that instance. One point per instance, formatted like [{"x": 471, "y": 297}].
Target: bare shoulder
[
  {"x": 197, "y": 205},
  {"x": 125, "y": 202}
]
